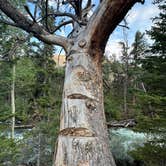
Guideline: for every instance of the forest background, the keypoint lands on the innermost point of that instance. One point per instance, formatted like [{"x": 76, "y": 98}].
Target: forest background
[{"x": 31, "y": 87}]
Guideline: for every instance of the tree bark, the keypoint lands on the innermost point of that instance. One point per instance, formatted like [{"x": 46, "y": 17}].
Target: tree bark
[{"x": 83, "y": 138}]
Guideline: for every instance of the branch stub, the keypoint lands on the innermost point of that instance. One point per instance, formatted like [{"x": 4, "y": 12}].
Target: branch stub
[{"x": 82, "y": 43}]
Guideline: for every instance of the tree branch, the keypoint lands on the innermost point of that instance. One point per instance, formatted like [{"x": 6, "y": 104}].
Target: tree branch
[
  {"x": 30, "y": 14},
  {"x": 8, "y": 23},
  {"x": 62, "y": 24},
  {"x": 60, "y": 14},
  {"x": 103, "y": 22},
  {"x": 29, "y": 26},
  {"x": 47, "y": 15}
]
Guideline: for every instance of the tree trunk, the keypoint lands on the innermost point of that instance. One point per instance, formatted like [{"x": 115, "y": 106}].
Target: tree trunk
[
  {"x": 39, "y": 150},
  {"x": 126, "y": 59},
  {"x": 125, "y": 95},
  {"x": 83, "y": 138},
  {"x": 13, "y": 97}
]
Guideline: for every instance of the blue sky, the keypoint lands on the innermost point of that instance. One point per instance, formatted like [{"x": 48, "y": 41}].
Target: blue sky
[{"x": 139, "y": 18}]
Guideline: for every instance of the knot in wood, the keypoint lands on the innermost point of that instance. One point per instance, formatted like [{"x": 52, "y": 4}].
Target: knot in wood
[
  {"x": 82, "y": 43},
  {"x": 90, "y": 104},
  {"x": 72, "y": 42},
  {"x": 70, "y": 58}
]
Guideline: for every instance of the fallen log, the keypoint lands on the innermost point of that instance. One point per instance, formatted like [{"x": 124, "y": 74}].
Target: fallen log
[
  {"x": 123, "y": 123},
  {"x": 30, "y": 126}
]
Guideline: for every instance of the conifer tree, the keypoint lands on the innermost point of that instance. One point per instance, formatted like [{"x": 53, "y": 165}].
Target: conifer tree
[{"x": 152, "y": 117}]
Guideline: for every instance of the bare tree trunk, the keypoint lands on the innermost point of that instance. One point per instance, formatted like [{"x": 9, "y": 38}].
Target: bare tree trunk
[
  {"x": 126, "y": 59},
  {"x": 135, "y": 87},
  {"x": 13, "y": 97},
  {"x": 125, "y": 96},
  {"x": 83, "y": 138}
]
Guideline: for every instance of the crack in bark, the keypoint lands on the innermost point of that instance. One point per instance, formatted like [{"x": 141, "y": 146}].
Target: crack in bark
[{"x": 77, "y": 132}]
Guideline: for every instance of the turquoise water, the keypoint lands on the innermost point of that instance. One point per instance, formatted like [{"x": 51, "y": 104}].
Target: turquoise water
[{"x": 124, "y": 140}]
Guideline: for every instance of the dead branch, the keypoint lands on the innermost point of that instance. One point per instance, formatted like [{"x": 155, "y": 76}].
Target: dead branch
[{"x": 29, "y": 26}]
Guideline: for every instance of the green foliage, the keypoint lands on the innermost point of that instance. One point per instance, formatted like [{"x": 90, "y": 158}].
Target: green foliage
[
  {"x": 112, "y": 90},
  {"x": 9, "y": 151},
  {"x": 158, "y": 30},
  {"x": 152, "y": 153},
  {"x": 152, "y": 113},
  {"x": 112, "y": 107}
]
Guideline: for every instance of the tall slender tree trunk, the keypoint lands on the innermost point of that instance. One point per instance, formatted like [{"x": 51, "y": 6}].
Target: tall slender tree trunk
[
  {"x": 83, "y": 138},
  {"x": 13, "y": 97},
  {"x": 125, "y": 95},
  {"x": 39, "y": 149},
  {"x": 126, "y": 59}
]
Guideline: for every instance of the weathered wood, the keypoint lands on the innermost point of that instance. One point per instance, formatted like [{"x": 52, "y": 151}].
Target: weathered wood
[
  {"x": 83, "y": 138},
  {"x": 106, "y": 18}
]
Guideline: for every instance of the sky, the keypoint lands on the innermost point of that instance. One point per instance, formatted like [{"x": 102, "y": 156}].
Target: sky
[{"x": 138, "y": 19}]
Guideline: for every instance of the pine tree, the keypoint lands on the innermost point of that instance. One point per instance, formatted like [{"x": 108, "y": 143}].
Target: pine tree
[{"x": 152, "y": 117}]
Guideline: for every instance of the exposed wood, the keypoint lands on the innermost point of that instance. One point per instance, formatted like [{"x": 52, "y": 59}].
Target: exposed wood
[
  {"x": 103, "y": 22},
  {"x": 77, "y": 132},
  {"x": 83, "y": 137}
]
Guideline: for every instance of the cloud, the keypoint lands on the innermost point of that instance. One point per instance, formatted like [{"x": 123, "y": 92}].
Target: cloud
[
  {"x": 113, "y": 48},
  {"x": 139, "y": 18}
]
